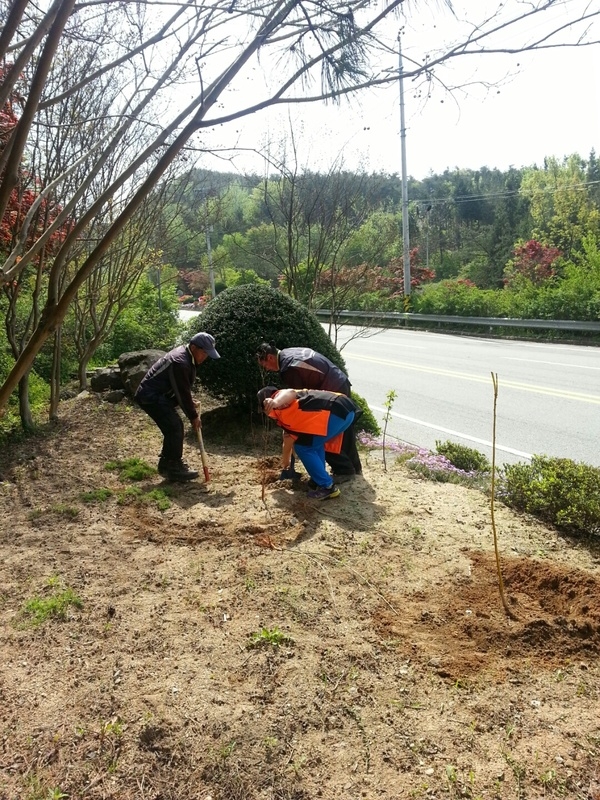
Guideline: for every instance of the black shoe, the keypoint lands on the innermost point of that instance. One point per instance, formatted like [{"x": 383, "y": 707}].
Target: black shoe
[
  {"x": 179, "y": 471},
  {"x": 163, "y": 467},
  {"x": 312, "y": 484}
]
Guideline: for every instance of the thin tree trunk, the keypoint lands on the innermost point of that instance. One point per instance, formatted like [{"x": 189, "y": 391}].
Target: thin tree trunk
[
  {"x": 24, "y": 406},
  {"x": 55, "y": 377},
  {"x": 82, "y": 372}
]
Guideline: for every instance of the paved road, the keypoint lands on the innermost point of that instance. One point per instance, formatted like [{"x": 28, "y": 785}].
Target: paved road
[{"x": 548, "y": 400}]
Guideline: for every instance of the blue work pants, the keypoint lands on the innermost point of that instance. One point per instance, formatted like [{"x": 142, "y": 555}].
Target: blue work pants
[{"x": 313, "y": 456}]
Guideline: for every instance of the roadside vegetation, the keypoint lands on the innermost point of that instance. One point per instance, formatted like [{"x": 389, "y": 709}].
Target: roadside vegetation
[
  {"x": 558, "y": 491},
  {"x": 519, "y": 244}
]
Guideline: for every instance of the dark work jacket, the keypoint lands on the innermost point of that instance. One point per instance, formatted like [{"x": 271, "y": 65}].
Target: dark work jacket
[
  {"x": 169, "y": 381},
  {"x": 303, "y": 368}
]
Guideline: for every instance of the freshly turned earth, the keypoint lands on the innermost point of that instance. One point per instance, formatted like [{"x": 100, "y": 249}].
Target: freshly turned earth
[{"x": 383, "y": 664}]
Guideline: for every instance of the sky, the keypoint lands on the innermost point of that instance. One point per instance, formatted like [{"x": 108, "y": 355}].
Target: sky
[{"x": 540, "y": 104}]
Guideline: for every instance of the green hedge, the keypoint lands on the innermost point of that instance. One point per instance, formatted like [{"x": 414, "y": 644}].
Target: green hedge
[
  {"x": 562, "y": 492},
  {"x": 240, "y": 319}
]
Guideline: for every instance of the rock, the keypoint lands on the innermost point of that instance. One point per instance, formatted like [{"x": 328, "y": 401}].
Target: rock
[
  {"x": 133, "y": 366},
  {"x": 114, "y": 396},
  {"x": 106, "y": 378}
]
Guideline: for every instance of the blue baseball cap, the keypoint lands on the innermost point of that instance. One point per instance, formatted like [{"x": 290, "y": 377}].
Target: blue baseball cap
[{"x": 205, "y": 342}]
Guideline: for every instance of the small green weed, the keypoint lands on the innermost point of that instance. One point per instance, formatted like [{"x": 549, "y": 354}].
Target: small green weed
[
  {"x": 40, "y": 609},
  {"x": 132, "y": 469},
  {"x": 160, "y": 497},
  {"x": 129, "y": 495},
  {"x": 37, "y": 791},
  {"x": 96, "y": 495},
  {"x": 227, "y": 750},
  {"x": 267, "y": 636},
  {"x": 65, "y": 510},
  {"x": 112, "y": 728}
]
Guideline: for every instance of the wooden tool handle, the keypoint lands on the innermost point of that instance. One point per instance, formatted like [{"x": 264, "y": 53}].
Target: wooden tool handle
[{"x": 203, "y": 455}]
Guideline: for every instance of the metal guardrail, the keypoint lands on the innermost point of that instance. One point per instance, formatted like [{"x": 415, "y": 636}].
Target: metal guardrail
[{"x": 500, "y": 322}]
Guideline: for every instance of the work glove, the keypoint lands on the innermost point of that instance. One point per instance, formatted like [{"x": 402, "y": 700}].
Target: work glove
[{"x": 290, "y": 473}]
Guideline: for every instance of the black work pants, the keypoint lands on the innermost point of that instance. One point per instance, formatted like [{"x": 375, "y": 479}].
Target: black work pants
[
  {"x": 171, "y": 427},
  {"x": 347, "y": 461}
]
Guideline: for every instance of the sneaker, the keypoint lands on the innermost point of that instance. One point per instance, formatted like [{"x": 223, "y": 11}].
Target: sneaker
[
  {"x": 324, "y": 492},
  {"x": 344, "y": 477},
  {"x": 179, "y": 471}
]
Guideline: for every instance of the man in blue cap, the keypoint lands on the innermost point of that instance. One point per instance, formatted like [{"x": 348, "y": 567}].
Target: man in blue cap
[{"x": 168, "y": 384}]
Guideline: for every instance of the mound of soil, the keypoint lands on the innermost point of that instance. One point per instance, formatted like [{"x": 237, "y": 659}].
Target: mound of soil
[{"x": 236, "y": 640}]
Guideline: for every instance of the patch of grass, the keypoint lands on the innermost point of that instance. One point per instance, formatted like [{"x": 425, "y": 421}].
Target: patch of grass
[
  {"x": 160, "y": 497},
  {"x": 96, "y": 495},
  {"x": 439, "y": 468},
  {"x": 133, "y": 494},
  {"x": 434, "y": 466},
  {"x": 131, "y": 469},
  {"x": 65, "y": 510},
  {"x": 61, "y": 509},
  {"x": 269, "y": 637},
  {"x": 129, "y": 495},
  {"x": 54, "y": 606}
]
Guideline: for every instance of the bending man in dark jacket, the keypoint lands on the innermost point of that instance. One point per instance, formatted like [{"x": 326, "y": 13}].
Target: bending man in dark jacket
[
  {"x": 314, "y": 422},
  {"x": 303, "y": 368},
  {"x": 168, "y": 384}
]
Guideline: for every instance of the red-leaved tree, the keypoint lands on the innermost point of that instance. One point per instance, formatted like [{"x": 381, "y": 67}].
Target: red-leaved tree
[
  {"x": 533, "y": 261},
  {"x": 27, "y": 215}
]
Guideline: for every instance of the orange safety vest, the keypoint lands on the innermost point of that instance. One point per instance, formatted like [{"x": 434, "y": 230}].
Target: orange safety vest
[{"x": 296, "y": 420}]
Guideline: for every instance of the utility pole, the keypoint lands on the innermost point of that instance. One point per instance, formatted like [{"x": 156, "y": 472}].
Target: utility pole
[
  {"x": 204, "y": 194},
  {"x": 405, "y": 231},
  {"x": 211, "y": 273}
]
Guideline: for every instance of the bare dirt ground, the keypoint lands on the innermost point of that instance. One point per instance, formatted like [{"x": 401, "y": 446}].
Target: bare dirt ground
[{"x": 248, "y": 643}]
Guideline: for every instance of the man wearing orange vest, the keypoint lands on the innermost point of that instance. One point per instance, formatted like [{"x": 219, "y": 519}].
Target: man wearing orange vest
[
  {"x": 313, "y": 421},
  {"x": 304, "y": 368}
]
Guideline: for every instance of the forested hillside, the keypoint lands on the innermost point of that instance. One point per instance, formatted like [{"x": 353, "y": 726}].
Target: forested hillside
[{"x": 522, "y": 242}]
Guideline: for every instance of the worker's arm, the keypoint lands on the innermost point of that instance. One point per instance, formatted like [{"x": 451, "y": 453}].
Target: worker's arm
[
  {"x": 282, "y": 399},
  {"x": 287, "y": 449}
]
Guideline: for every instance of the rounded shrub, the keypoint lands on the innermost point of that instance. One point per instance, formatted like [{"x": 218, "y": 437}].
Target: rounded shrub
[
  {"x": 563, "y": 492},
  {"x": 240, "y": 319},
  {"x": 366, "y": 421},
  {"x": 465, "y": 458}
]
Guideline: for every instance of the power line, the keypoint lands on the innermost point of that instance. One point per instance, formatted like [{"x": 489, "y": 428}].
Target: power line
[{"x": 509, "y": 193}]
